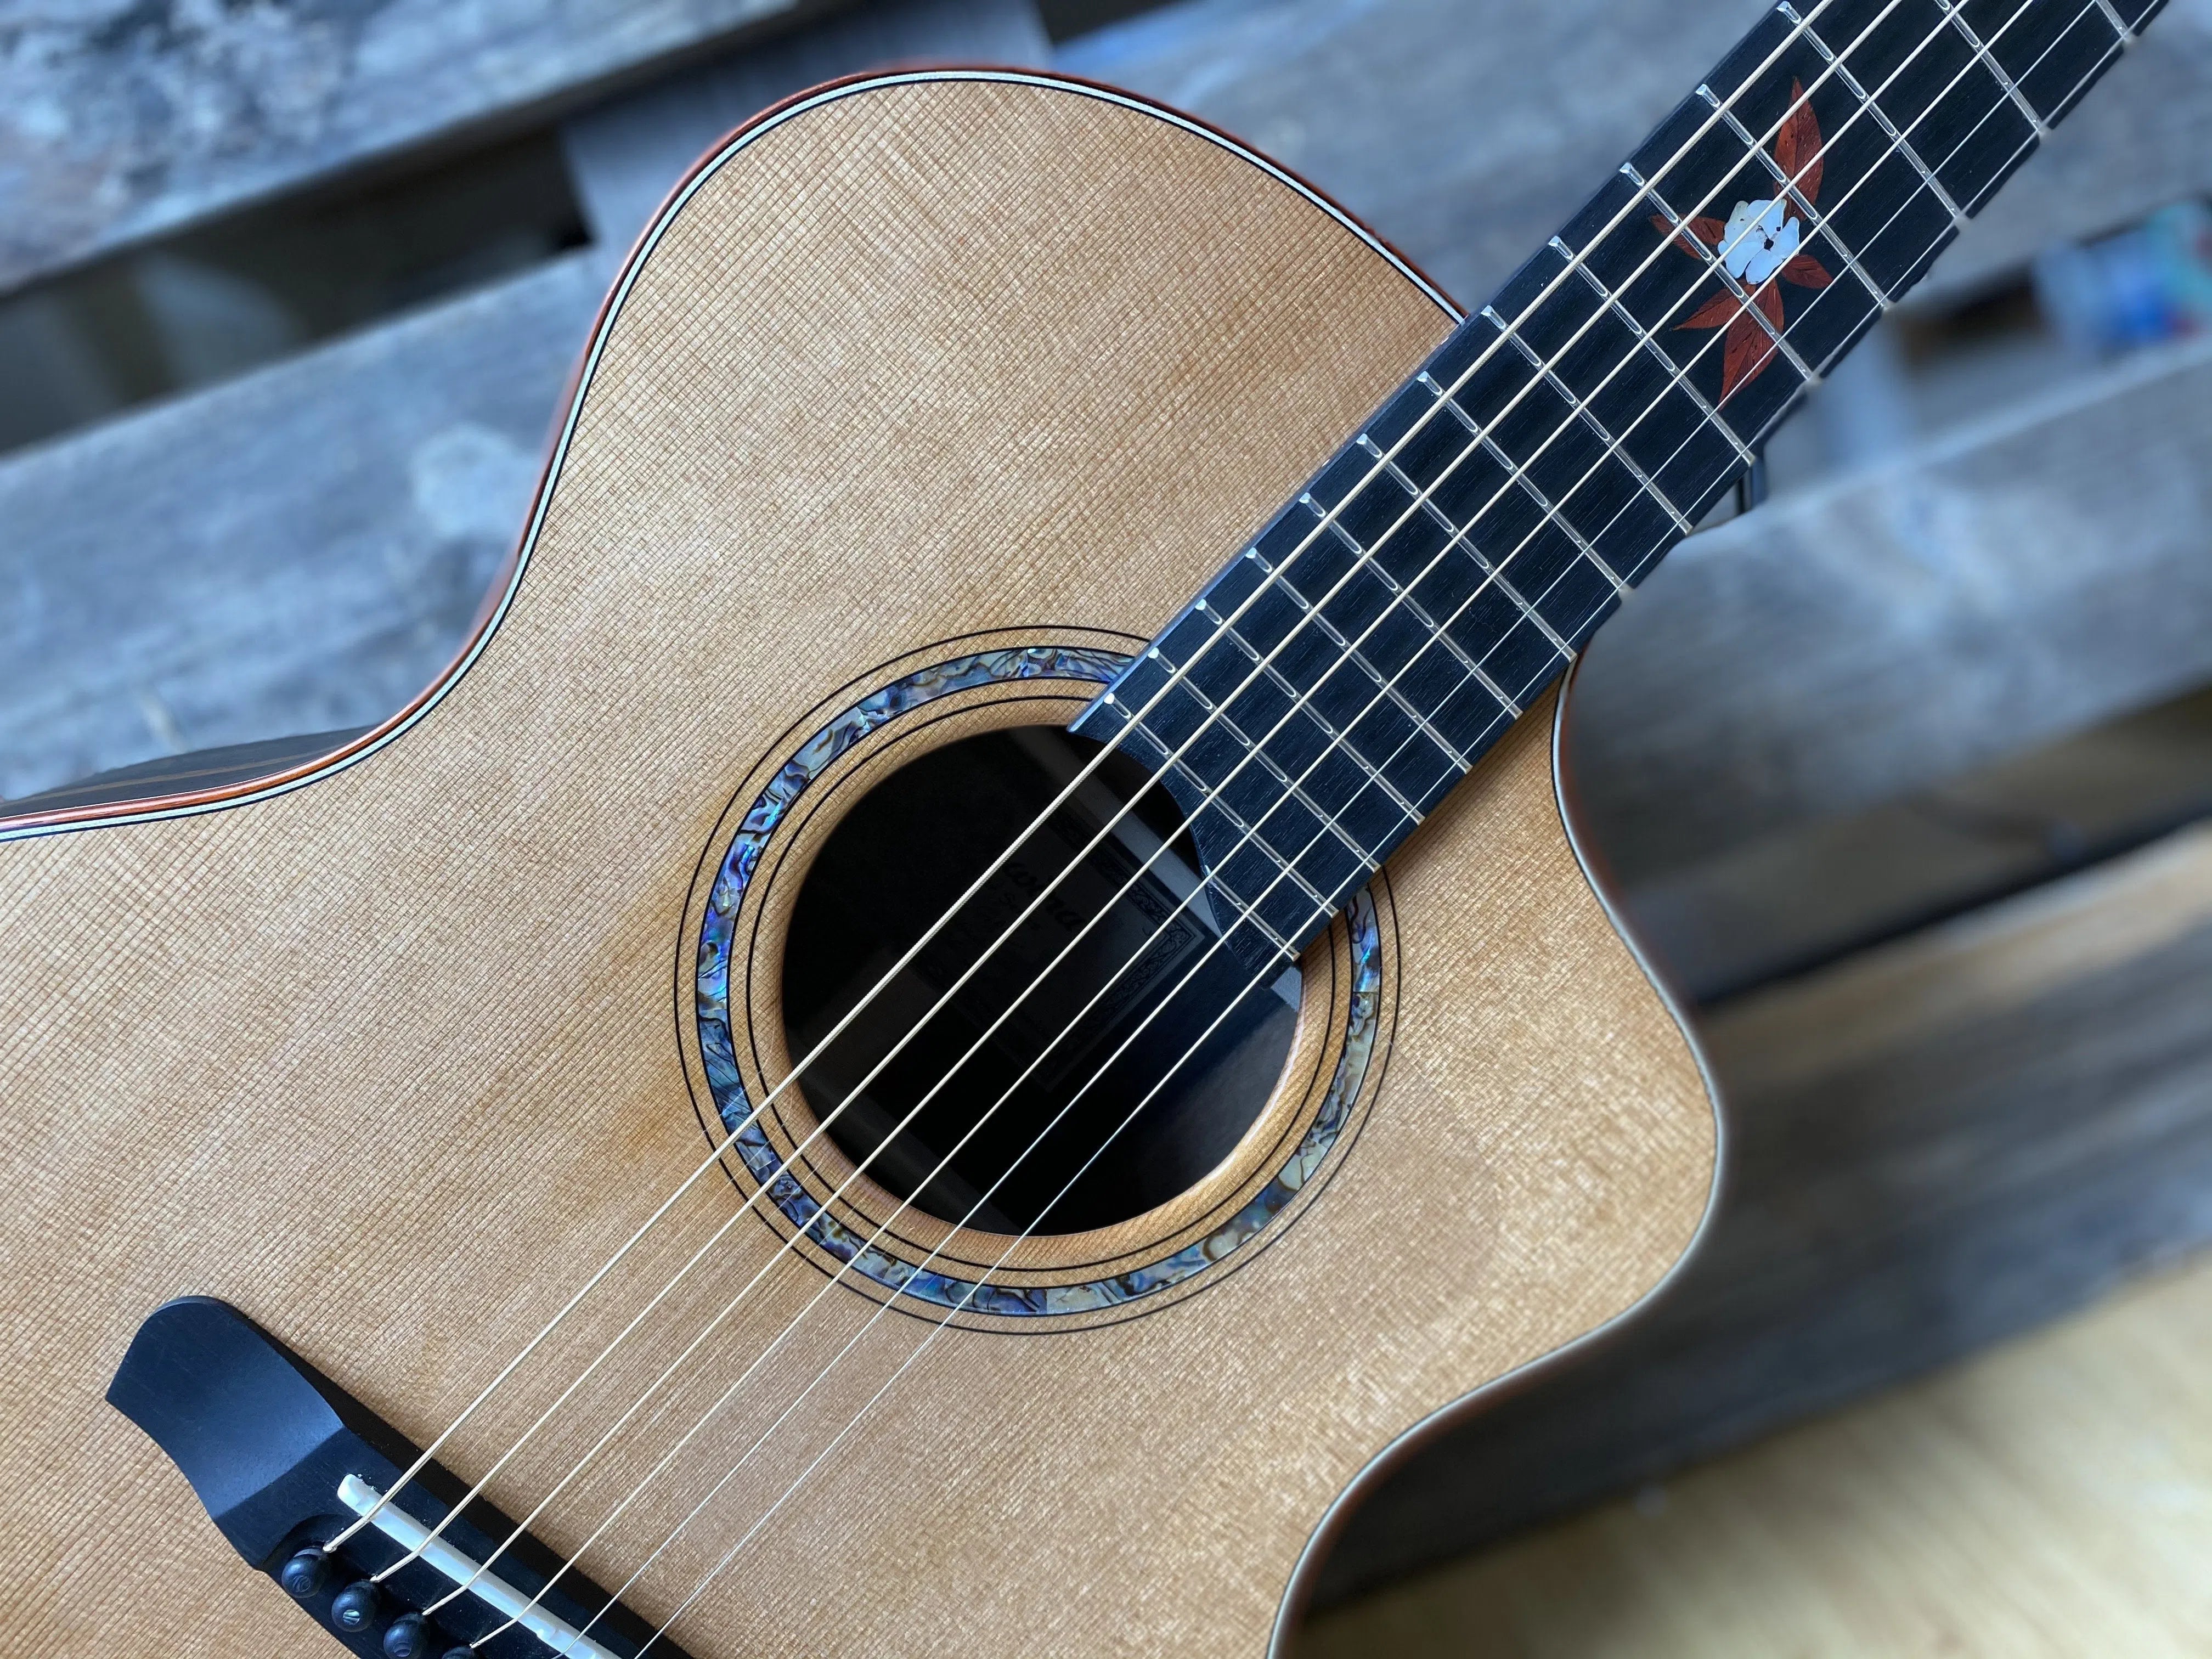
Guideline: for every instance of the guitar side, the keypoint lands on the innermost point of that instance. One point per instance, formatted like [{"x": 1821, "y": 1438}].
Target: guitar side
[{"x": 390, "y": 1059}]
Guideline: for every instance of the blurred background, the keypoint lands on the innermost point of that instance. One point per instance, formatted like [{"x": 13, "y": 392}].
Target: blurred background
[{"x": 1904, "y": 772}]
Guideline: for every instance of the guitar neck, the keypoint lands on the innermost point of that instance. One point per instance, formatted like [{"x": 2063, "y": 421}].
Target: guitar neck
[{"x": 1349, "y": 667}]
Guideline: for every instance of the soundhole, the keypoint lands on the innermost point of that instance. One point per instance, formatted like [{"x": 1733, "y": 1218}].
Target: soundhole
[{"x": 1103, "y": 1059}]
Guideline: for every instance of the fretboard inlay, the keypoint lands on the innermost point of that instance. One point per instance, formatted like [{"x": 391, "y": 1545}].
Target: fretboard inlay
[{"x": 1352, "y": 663}]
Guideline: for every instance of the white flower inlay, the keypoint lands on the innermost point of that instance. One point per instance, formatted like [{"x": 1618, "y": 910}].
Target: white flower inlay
[{"x": 1759, "y": 241}]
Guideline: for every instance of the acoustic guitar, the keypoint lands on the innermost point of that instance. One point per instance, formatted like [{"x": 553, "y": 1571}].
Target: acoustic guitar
[{"x": 864, "y": 1074}]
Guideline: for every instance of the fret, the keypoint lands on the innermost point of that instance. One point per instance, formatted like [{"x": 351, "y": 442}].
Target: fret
[
  {"x": 1268, "y": 718},
  {"x": 1492, "y": 581},
  {"x": 1668, "y": 404},
  {"x": 1612, "y": 452},
  {"x": 1242, "y": 865},
  {"x": 1549, "y": 502},
  {"x": 1254, "y": 751},
  {"x": 1430, "y": 555},
  {"x": 1243, "y": 839},
  {"x": 1358, "y": 708},
  {"x": 1496, "y": 722},
  {"x": 1677, "y": 376},
  {"x": 1387, "y": 636},
  {"x": 1387, "y": 683},
  {"x": 2049, "y": 55},
  {"x": 1936, "y": 86},
  {"x": 1996, "y": 70},
  {"x": 1674, "y": 374},
  {"x": 1374, "y": 774},
  {"x": 1421, "y": 612},
  {"x": 1338, "y": 593},
  {"x": 1299, "y": 739}
]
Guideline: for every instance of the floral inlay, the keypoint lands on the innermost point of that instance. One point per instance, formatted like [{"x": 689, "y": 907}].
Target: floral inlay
[
  {"x": 1759, "y": 247},
  {"x": 912, "y": 1279}
]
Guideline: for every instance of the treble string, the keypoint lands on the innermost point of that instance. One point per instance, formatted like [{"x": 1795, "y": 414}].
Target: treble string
[
  {"x": 723, "y": 1146},
  {"x": 736, "y": 1386},
  {"x": 973, "y": 1289}
]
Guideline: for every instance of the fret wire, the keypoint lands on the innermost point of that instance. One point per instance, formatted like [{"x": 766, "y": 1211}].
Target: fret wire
[
  {"x": 1247, "y": 835},
  {"x": 1898, "y": 145},
  {"x": 1678, "y": 379},
  {"x": 1298, "y": 791},
  {"x": 1957, "y": 19},
  {"x": 1301, "y": 701},
  {"x": 1576, "y": 407},
  {"x": 1342, "y": 738},
  {"x": 1643, "y": 339},
  {"x": 2119, "y": 26},
  {"x": 1351, "y": 653},
  {"x": 1367, "y": 663},
  {"x": 1414, "y": 607},
  {"x": 1460, "y": 537},
  {"x": 1811, "y": 215}
]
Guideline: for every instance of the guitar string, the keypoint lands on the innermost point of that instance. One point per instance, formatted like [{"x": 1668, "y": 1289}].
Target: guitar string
[
  {"x": 1049, "y": 1127},
  {"x": 618, "y": 1425},
  {"x": 677, "y": 1364},
  {"x": 2126, "y": 39},
  {"x": 2119, "y": 46},
  {"x": 409, "y": 1475}
]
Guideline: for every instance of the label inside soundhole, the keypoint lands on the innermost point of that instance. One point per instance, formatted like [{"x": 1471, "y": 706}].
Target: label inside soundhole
[{"x": 1103, "y": 1056}]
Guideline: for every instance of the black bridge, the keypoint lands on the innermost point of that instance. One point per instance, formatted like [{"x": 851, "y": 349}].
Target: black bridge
[{"x": 285, "y": 1460}]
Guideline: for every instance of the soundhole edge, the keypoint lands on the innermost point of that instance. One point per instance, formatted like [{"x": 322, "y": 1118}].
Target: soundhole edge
[{"x": 768, "y": 842}]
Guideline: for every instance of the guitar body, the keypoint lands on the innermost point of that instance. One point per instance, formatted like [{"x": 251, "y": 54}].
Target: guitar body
[{"x": 931, "y": 376}]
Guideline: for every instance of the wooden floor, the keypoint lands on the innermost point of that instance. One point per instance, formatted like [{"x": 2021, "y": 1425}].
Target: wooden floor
[{"x": 2052, "y": 1497}]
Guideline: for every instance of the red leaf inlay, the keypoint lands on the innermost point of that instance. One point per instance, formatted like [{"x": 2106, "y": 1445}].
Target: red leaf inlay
[
  {"x": 1707, "y": 231},
  {"x": 1744, "y": 355},
  {"x": 1770, "y": 301},
  {"x": 1721, "y": 308},
  {"x": 1806, "y": 271},
  {"x": 1797, "y": 144}
]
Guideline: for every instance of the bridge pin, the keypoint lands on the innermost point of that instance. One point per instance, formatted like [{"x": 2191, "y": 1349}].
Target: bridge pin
[
  {"x": 354, "y": 1607},
  {"x": 305, "y": 1574}
]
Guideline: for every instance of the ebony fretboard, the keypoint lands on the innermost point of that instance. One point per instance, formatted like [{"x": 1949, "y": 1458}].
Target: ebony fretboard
[{"x": 1352, "y": 664}]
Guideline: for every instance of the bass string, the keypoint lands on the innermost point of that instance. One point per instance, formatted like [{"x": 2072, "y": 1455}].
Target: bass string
[
  {"x": 1048, "y": 1129},
  {"x": 1173, "y": 759},
  {"x": 1799, "y": 24},
  {"x": 2125, "y": 39}
]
